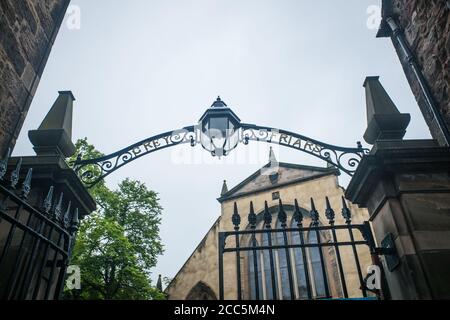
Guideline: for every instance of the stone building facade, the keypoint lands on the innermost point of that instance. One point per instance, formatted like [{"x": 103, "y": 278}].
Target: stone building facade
[
  {"x": 198, "y": 279},
  {"x": 425, "y": 25},
  {"x": 28, "y": 30}
]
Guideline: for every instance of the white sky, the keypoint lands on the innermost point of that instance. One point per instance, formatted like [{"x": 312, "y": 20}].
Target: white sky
[{"x": 142, "y": 67}]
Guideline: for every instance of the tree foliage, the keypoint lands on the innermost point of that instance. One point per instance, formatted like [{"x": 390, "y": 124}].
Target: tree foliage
[{"x": 119, "y": 243}]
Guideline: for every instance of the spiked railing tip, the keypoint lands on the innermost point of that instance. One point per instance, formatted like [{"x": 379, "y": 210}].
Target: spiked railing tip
[
  {"x": 8, "y": 154},
  {"x": 4, "y": 164},
  {"x": 344, "y": 203},
  {"x": 267, "y": 216},
  {"x": 282, "y": 217},
  {"x": 58, "y": 207},
  {"x": 252, "y": 216},
  {"x": 314, "y": 213},
  {"x": 313, "y": 206},
  {"x": 280, "y": 205},
  {"x": 48, "y": 200},
  {"x": 296, "y": 204},
  {"x": 346, "y": 214},
  {"x": 16, "y": 173},
  {"x": 327, "y": 201},
  {"x": 298, "y": 216},
  {"x": 329, "y": 212},
  {"x": 74, "y": 222},
  {"x": 26, "y": 186},
  {"x": 236, "y": 218},
  {"x": 65, "y": 218}
]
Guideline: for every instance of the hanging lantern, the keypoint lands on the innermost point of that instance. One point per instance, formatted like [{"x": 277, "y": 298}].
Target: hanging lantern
[{"x": 220, "y": 129}]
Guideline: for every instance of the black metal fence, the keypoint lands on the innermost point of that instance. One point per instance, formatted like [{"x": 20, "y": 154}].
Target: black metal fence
[
  {"x": 296, "y": 258},
  {"x": 35, "y": 241}
]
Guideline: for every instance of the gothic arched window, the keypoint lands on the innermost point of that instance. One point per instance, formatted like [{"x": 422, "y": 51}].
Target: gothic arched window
[
  {"x": 251, "y": 274},
  {"x": 316, "y": 266},
  {"x": 299, "y": 266},
  {"x": 201, "y": 291},
  {"x": 267, "y": 269},
  {"x": 282, "y": 265}
]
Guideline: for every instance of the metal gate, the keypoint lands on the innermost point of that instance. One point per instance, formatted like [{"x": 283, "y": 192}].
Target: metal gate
[
  {"x": 346, "y": 239},
  {"x": 35, "y": 241}
]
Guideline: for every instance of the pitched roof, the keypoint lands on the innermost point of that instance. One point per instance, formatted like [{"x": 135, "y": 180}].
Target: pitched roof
[{"x": 270, "y": 177}]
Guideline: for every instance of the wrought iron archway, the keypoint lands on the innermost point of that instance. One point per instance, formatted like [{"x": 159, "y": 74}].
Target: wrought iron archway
[
  {"x": 344, "y": 158},
  {"x": 91, "y": 171}
]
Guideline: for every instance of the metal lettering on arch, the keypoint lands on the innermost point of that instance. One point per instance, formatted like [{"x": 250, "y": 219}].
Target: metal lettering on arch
[
  {"x": 344, "y": 158},
  {"x": 91, "y": 171},
  {"x": 219, "y": 132}
]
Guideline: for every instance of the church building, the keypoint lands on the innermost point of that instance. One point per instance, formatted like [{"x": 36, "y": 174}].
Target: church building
[{"x": 198, "y": 279}]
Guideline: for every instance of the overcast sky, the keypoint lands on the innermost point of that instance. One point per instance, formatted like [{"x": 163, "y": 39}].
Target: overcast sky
[{"x": 142, "y": 67}]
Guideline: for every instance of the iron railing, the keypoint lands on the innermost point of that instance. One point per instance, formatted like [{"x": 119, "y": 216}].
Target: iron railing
[
  {"x": 331, "y": 237},
  {"x": 35, "y": 241}
]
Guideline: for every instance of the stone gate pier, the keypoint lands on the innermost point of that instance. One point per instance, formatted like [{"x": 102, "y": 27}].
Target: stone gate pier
[{"x": 405, "y": 185}]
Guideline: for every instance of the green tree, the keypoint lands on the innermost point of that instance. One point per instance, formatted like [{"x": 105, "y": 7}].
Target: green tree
[{"x": 119, "y": 243}]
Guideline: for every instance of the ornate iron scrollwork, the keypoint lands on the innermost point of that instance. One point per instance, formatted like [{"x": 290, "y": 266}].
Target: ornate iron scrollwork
[
  {"x": 346, "y": 159},
  {"x": 91, "y": 171}
]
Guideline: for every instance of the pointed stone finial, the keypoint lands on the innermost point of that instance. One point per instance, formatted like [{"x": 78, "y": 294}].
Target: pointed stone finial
[
  {"x": 53, "y": 137},
  {"x": 159, "y": 283},
  {"x": 224, "y": 188},
  {"x": 273, "y": 168},
  {"x": 384, "y": 121},
  {"x": 272, "y": 158}
]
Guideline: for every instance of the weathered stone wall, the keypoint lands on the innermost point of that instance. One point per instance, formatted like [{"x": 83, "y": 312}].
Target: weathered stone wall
[
  {"x": 426, "y": 24},
  {"x": 27, "y": 31}
]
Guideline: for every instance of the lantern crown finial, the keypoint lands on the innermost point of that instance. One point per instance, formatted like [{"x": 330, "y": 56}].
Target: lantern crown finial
[{"x": 218, "y": 103}]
